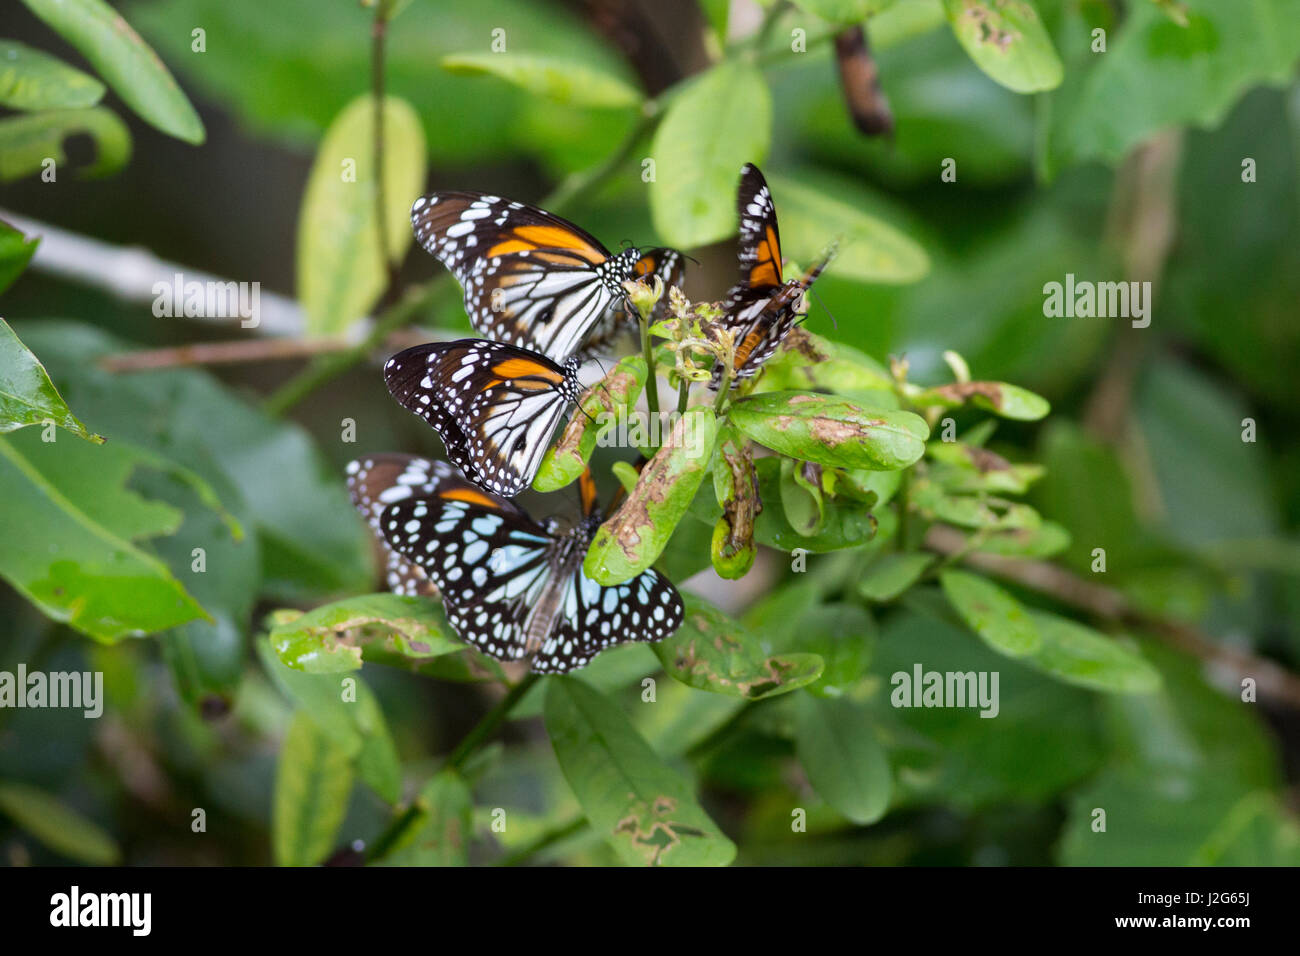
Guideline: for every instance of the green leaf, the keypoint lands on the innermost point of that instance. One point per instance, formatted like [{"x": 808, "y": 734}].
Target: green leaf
[
  {"x": 348, "y": 713},
  {"x": 1009, "y": 401},
  {"x": 1156, "y": 74},
  {"x": 329, "y": 639},
  {"x": 311, "y": 544},
  {"x": 340, "y": 267},
  {"x": 1043, "y": 739},
  {"x": 27, "y": 396},
  {"x": 598, "y": 411},
  {"x": 442, "y": 836},
  {"x": 1008, "y": 42},
  {"x": 838, "y": 746},
  {"x": 88, "y": 573},
  {"x": 801, "y": 497},
  {"x": 713, "y": 652},
  {"x": 638, "y": 804},
  {"x": 847, "y": 523},
  {"x": 719, "y": 122},
  {"x": 842, "y": 634},
  {"x": 131, "y": 68},
  {"x": 16, "y": 250},
  {"x": 808, "y": 362},
  {"x": 27, "y": 141},
  {"x": 57, "y": 825},
  {"x": 33, "y": 80},
  {"x": 564, "y": 81},
  {"x": 992, "y": 613},
  {"x": 1077, "y": 654},
  {"x": 892, "y": 574},
  {"x": 844, "y": 11},
  {"x": 830, "y": 430},
  {"x": 286, "y": 69},
  {"x": 312, "y": 783},
  {"x": 635, "y": 535},
  {"x": 816, "y": 208}
]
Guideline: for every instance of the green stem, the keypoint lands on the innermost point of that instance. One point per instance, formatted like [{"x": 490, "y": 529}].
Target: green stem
[
  {"x": 393, "y": 833},
  {"x": 547, "y": 839},
  {"x": 491, "y": 720},
  {"x": 378, "y": 33},
  {"x": 651, "y": 379},
  {"x": 904, "y": 488},
  {"x": 724, "y": 387},
  {"x": 683, "y": 395}
]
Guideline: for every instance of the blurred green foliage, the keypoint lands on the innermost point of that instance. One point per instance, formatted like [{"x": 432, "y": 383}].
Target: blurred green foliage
[{"x": 303, "y": 713}]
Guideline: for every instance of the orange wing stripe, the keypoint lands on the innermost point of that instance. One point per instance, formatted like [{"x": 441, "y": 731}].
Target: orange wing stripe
[
  {"x": 528, "y": 238},
  {"x": 471, "y": 496},
  {"x": 524, "y": 368},
  {"x": 768, "y": 270},
  {"x": 587, "y": 488}
]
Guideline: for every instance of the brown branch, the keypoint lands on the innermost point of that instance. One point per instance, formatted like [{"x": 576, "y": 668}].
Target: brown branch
[
  {"x": 1142, "y": 222},
  {"x": 248, "y": 350},
  {"x": 1109, "y": 605}
]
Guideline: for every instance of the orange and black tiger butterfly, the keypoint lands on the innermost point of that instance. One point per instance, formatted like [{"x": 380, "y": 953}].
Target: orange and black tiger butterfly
[
  {"x": 530, "y": 278},
  {"x": 762, "y": 307},
  {"x": 493, "y": 405}
]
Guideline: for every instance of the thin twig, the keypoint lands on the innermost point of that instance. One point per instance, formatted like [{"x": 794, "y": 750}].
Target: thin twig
[
  {"x": 1110, "y": 605},
  {"x": 378, "y": 34},
  {"x": 491, "y": 720},
  {"x": 220, "y": 353},
  {"x": 243, "y": 351}
]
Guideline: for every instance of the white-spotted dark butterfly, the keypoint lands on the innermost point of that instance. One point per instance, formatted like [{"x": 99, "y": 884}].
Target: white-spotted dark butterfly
[{"x": 514, "y": 587}]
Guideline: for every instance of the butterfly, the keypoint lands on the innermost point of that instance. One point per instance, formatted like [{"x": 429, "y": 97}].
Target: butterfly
[
  {"x": 530, "y": 278},
  {"x": 377, "y": 481},
  {"x": 761, "y": 308},
  {"x": 493, "y": 405},
  {"x": 514, "y": 587}
]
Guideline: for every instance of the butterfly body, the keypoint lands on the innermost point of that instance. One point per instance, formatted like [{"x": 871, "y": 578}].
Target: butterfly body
[{"x": 512, "y": 586}]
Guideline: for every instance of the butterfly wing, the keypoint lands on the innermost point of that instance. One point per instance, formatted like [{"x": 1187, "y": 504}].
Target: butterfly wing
[
  {"x": 378, "y": 481},
  {"x": 490, "y": 561},
  {"x": 760, "y": 240},
  {"x": 497, "y": 404},
  {"x": 530, "y": 278},
  {"x": 594, "y": 617}
]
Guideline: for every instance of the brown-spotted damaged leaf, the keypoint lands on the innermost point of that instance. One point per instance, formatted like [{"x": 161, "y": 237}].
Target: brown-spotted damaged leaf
[
  {"x": 636, "y": 802},
  {"x": 635, "y": 535},
  {"x": 330, "y": 638},
  {"x": 1008, "y": 401},
  {"x": 714, "y": 652},
  {"x": 831, "y": 431}
]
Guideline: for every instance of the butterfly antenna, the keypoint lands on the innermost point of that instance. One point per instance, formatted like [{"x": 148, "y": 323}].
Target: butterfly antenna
[{"x": 834, "y": 324}]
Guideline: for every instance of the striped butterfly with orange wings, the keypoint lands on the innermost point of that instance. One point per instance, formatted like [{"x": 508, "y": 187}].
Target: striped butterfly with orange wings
[
  {"x": 762, "y": 307},
  {"x": 547, "y": 294}
]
